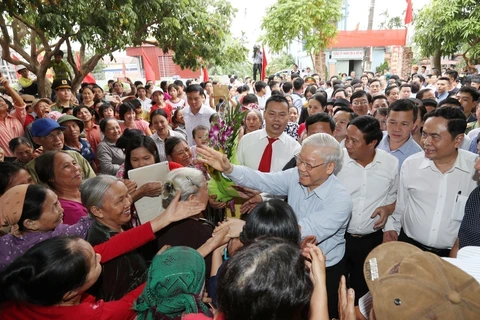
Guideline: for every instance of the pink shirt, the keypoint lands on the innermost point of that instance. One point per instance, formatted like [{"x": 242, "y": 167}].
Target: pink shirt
[
  {"x": 139, "y": 124},
  {"x": 73, "y": 211},
  {"x": 12, "y": 127}
]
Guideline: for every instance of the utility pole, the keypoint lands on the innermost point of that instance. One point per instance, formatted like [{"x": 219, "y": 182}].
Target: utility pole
[{"x": 367, "y": 60}]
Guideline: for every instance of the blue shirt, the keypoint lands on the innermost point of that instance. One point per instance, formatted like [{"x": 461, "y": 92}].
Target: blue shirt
[
  {"x": 323, "y": 212},
  {"x": 406, "y": 150},
  {"x": 86, "y": 150},
  {"x": 473, "y": 145}
]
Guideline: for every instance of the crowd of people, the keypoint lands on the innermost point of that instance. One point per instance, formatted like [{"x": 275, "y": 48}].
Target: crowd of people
[{"x": 358, "y": 199}]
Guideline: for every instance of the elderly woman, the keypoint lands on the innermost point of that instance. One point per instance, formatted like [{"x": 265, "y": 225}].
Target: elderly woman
[
  {"x": 59, "y": 171},
  {"x": 34, "y": 214},
  {"x": 22, "y": 149},
  {"x": 87, "y": 97},
  {"x": 174, "y": 288},
  {"x": 110, "y": 157},
  {"x": 108, "y": 202},
  {"x": 73, "y": 141},
  {"x": 191, "y": 232}
]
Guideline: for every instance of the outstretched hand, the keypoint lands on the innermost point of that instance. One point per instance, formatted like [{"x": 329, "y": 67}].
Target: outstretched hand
[{"x": 215, "y": 159}]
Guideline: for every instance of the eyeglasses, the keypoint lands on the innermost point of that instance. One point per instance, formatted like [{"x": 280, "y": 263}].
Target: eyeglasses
[
  {"x": 308, "y": 166},
  {"x": 360, "y": 103},
  {"x": 54, "y": 135}
]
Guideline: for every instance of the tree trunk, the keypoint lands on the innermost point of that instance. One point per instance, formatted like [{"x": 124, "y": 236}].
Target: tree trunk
[
  {"x": 319, "y": 66},
  {"x": 437, "y": 60}
]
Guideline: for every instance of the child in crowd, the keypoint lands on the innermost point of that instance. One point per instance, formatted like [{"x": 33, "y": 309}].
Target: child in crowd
[{"x": 200, "y": 135}]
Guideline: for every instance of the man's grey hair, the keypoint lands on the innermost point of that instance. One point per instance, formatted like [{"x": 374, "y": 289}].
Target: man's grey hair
[
  {"x": 331, "y": 150},
  {"x": 189, "y": 180},
  {"x": 93, "y": 190}
]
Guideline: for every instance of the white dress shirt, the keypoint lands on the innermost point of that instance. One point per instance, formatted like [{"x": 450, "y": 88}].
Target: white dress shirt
[
  {"x": 193, "y": 120},
  {"x": 146, "y": 104},
  {"x": 370, "y": 187},
  {"x": 430, "y": 205},
  {"x": 252, "y": 145},
  {"x": 161, "y": 143}
]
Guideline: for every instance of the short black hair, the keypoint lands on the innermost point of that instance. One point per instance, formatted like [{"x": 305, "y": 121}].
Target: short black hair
[
  {"x": 104, "y": 122},
  {"x": 359, "y": 94},
  {"x": 444, "y": 79},
  {"x": 450, "y": 102},
  {"x": 271, "y": 218},
  {"x": 44, "y": 166},
  {"x": 269, "y": 277},
  {"x": 452, "y": 74},
  {"x": 249, "y": 98},
  {"x": 320, "y": 117},
  {"x": 471, "y": 91},
  {"x": 259, "y": 85},
  {"x": 370, "y": 127},
  {"x": 350, "y": 111},
  {"x": 457, "y": 122},
  {"x": 404, "y": 105},
  {"x": 194, "y": 88},
  {"x": 298, "y": 83},
  {"x": 280, "y": 99},
  {"x": 287, "y": 86},
  {"x": 382, "y": 111},
  {"x": 179, "y": 83},
  {"x": 379, "y": 97},
  {"x": 422, "y": 92}
]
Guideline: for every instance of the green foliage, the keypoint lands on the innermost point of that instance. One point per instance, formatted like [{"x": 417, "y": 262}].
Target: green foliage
[
  {"x": 195, "y": 30},
  {"x": 391, "y": 22},
  {"x": 312, "y": 21},
  {"x": 283, "y": 61},
  {"x": 447, "y": 25},
  {"x": 382, "y": 67}
]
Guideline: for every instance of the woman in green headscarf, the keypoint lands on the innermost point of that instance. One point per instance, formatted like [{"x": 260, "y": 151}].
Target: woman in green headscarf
[{"x": 174, "y": 286}]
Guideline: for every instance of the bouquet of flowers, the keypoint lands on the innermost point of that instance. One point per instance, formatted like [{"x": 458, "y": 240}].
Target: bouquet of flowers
[{"x": 223, "y": 137}]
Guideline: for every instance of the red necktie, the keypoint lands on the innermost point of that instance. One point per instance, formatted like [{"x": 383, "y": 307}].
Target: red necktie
[{"x": 266, "y": 160}]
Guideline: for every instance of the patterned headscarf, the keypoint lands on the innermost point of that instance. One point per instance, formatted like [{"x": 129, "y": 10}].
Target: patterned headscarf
[
  {"x": 174, "y": 286},
  {"x": 11, "y": 207}
]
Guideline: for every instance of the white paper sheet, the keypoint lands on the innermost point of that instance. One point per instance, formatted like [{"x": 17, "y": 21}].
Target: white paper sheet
[{"x": 149, "y": 208}]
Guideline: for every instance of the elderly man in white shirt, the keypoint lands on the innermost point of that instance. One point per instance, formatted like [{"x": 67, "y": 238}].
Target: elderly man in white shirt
[
  {"x": 434, "y": 186},
  {"x": 370, "y": 175}
]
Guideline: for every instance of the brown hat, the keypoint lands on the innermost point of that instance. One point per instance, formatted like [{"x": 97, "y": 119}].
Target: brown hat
[
  {"x": 61, "y": 84},
  {"x": 407, "y": 283},
  {"x": 36, "y": 101}
]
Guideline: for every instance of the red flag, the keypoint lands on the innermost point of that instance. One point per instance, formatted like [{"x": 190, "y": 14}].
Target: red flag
[
  {"x": 205, "y": 74},
  {"x": 409, "y": 12},
  {"x": 89, "y": 77},
  {"x": 263, "y": 74},
  {"x": 147, "y": 66}
]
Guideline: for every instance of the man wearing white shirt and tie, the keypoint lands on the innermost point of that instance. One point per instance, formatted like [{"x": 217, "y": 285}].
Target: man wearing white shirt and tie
[
  {"x": 434, "y": 186},
  {"x": 268, "y": 149},
  {"x": 370, "y": 175}
]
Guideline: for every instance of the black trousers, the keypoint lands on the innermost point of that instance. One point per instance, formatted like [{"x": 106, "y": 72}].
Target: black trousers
[
  {"x": 333, "y": 275},
  {"x": 357, "y": 250},
  {"x": 257, "y": 67},
  {"x": 439, "y": 252}
]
